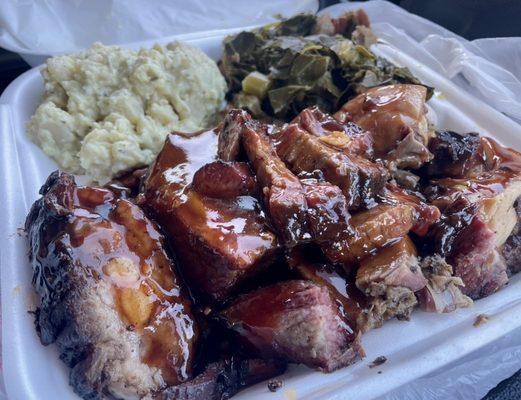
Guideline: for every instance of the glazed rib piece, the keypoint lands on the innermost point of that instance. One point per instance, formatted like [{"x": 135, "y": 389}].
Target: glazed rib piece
[
  {"x": 283, "y": 194},
  {"x": 297, "y": 321},
  {"x": 328, "y": 216},
  {"x": 109, "y": 295},
  {"x": 221, "y": 242},
  {"x": 478, "y": 217},
  {"x": 395, "y": 116},
  {"x": 359, "y": 179}
]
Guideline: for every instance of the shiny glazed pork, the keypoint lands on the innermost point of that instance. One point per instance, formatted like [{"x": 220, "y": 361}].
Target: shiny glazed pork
[{"x": 110, "y": 296}]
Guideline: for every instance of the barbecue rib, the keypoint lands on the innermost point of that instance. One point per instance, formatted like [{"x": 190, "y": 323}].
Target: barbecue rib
[
  {"x": 220, "y": 242},
  {"x": 110, "y": 297}
]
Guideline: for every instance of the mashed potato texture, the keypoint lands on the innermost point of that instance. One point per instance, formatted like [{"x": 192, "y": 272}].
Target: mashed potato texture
[{"x": 108, "y": 110}]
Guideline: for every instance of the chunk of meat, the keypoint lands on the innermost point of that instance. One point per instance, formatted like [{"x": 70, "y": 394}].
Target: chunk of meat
[
  {"x": 390, "y": 277},
  {"x": 378, "y": 227},
  {"x": 228, "y": 148},
  {"x": 426, "y": 214},
  {"x": 478, "y": 217},
  {"x": 442, "y": 294},
  {"x": 224, "y": 180},
  {"x": 477, "y": 262},
  {"x": 455, "y": 155},
  {"x": 348, "y": 137},
  {"x": 221, "y": 243},
  {"x": 478, "y": 206},
  {"x": 395, "y": 115},
  {"x": 222, "y": 379},
  {"x": 359, "y": 179},
  {"x": 395, "y": 265},
  {"x": 109, "y": 294},
  {"x": 344, "y": 25},
  {"x": 296, "y": 320},
  {"x": 410, "y": 152},
  {"x": 328, "y": 216},
  {"x": 283, "y": 193},
  {"x": 305, "y": 262}
]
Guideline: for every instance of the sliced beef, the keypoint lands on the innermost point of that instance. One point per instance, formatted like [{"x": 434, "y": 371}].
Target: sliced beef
[
  {"x": 223, "y": 379},
  {"x": 395, "y": 116},
  {"x": 359, "y": 179},
  {"x": 442, "y": 294},
  {"x": 348, "y": 136},
  {"x": 283, "y": 193},
  {"x": 230, "y": 134},
  {"x": 110, "y": 295},
  {"x": 220, "y": 243},
  {"x": 310, "y": 267},
  {"x": 224, "y": 180},
  {"x": 390, "y": 277},
  {"x": 378, "y": 227},
  {"x": 297, "y": 320}
]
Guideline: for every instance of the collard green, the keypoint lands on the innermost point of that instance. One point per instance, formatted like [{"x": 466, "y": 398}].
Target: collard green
[{"x": 302, "y": 66}]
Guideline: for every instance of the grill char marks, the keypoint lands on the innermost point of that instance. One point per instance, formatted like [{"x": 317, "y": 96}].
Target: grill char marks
[{"x": 378, "y": 227}]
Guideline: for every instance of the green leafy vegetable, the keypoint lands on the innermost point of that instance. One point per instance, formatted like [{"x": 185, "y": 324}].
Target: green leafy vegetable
[{"x": 284, "y": 67}]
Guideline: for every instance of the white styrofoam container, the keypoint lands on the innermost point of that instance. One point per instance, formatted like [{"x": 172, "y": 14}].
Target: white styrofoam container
[{"x": 413, "y": 349}]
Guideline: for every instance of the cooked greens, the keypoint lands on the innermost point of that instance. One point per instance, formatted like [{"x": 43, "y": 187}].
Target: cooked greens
[{"x": 284, "y": 67}]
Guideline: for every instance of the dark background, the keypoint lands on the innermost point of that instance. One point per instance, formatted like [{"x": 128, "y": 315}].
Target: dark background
[{"x": 471, "y": 19}]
